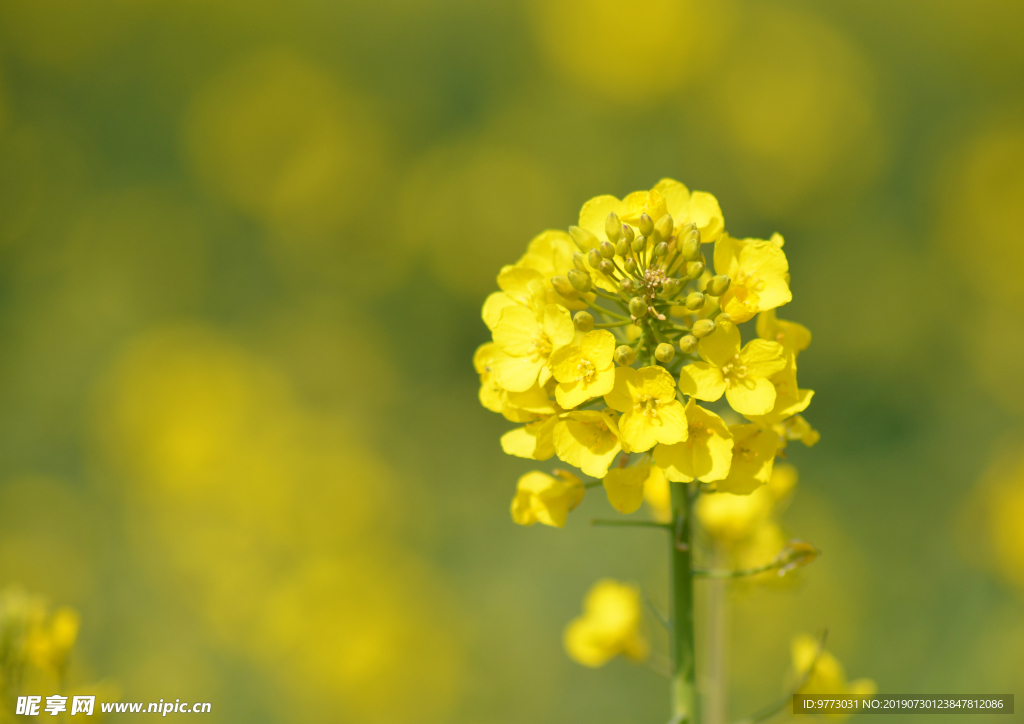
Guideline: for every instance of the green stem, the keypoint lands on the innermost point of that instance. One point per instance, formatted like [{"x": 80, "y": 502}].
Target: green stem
[
  {"x": 737, "y": 574},
  {"x": 684, "y": 675},
  {"x": 609, "y": 313},
  {"x": 630, "y": 523},
  {"x": 612, "y": 324}
]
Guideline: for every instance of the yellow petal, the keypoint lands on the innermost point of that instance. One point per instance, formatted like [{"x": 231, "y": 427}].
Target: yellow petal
[
  {"x": 533, "y": 440},
  {"x": 707, "y": 215},
  {"x": 677, "y": 199},
  {"x": 518, "y": 374},
  {"x": 763, "y": 358},
  {"x": 517, "y": 331},
  {"x": 670, "y": 424},
  {"x": 721, "y": 346},
  {"x": 753, "y": 455},
  {"x": 595, "y": 212},
  {"x": 493, "y": 305},
  {"x": 620, "y": 398},
  {"x": 654, "y": 381},
  {"x": 558, "y": 325},
  {"x": 707, "y": 379},
  {"x": 598, "y": 348},
  {"x": 751, "y": 396},
  {"x": 658, "y": 493},
  {"x": 585, "y": 439},
  {"x": 625, "y": 487},
  {"x": 676, "y": 460}
]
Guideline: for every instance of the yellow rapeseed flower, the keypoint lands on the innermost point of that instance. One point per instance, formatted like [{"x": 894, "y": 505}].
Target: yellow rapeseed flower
[
  {"x": 828, "y": 678},
  {"x": 753, "y": 455},
  {"x": 588, "y": 439},
  {"x": 759, "y": 273},
  {"x": 609, "y": 627},
  {"x": 533, "y": 404},
  {"x": 529, "y": 338},
  {"x": 705, "y": 454},
  {"x": 546, "y": 499},
  {"x": 742, "y": 375},
  {"x": 651, "y": 412},
  {"x": 550, "y": 254},
  {"x": 519, "y": 286},
  {"x": 585, "y": 370},
  {"x": 625, "y": 487}
]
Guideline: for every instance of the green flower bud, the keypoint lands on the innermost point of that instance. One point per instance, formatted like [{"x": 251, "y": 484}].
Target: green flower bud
[
  {"x": 688, "y": 344},
  {"x": 694, "y": 301},
  {"x": 580, "y": 281},
  {"x": 613, "y": 227},
  {"x": 637, "y": 307},
  {"x": 722, "y": 317},
  {"x": 607, "y": 249},
  {"x": 585, "y": 241},
  {"x": 622, "y": 248},
  {"x": 664, "y": 226},
  {"x": 580, "y": 261},
  {"x": 717, "y": 286},
  {"x": 691, "y": 248},
  {"x": 688, "y": 228},
  {"x": 646, "y": 225},
  {"x": 627, "y": 233},
  {"x": 664, "y": 353},
  {"x": 606, "y": 267},
  {"x": 639, "y": 244},
  {"x": 630, "y": 266},
  {"x": 694, "y": 269},
  {"x": 671, "y": 287},
  {"x": 624, "y": 355},
  {"x": 660, "y": 250},
  {"x": 583, "y": 321},
  {"x": 562, "y": 286},
  {"x": 628, "y": 285},
  {"x": 703, "y": 327},
  {"x": 593, "y": 257}
]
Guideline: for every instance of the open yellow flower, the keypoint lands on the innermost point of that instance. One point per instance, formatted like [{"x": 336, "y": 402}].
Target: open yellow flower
[
  {"x": 793, "y": 337},
  {"x": 828, "y": 678},
  {"x": 519, "y": 286},
  {"x": 651, "y": 412},
  {"x": 585, "y": 370},
  {"x": 609, "y": 627},
  {"x": 742, "y": 375},
  {"x": 706, "y": 454},
  {"x": 753, "y": 455},
  {"x": 533, "y": 404},
  {"x": 528, "y": 338},
  {"x": 546, "y": 499},
  {"x": 625, "y": 486},
  {"x": 588, "y": 439},
  {"x": 759, "y": 272}
]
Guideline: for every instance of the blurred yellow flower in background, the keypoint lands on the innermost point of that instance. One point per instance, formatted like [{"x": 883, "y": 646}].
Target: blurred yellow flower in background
[
  {"x": 279, "y": 520},
  {"x": 828, "y": 677},
  {"x": 609, "y": 627}
]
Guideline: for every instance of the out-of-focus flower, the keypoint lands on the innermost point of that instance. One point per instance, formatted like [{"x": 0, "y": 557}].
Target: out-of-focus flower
[
  {"x": 793, "y": 336},
  {"x": 658, "y": 495},
  {"x": 742, "y": 375},
  {"x": 626, "y": 487},
  {"x": 584, "y": 41},
  {"x": 610, "y": 626},
  {"x": 828, "y": 677},
  {"x": 801, "y": 118},
  {"x": 546, "y": 499}
]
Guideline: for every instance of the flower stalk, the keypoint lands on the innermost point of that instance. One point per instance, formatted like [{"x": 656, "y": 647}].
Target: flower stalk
[{"x": 684, "y": 666}]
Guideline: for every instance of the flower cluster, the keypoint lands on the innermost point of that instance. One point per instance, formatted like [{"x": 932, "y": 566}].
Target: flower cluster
[{"x": 619, "y": 348}]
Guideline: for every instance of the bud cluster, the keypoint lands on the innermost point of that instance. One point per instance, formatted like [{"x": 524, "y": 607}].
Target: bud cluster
[{"x": 655, "y": 275}]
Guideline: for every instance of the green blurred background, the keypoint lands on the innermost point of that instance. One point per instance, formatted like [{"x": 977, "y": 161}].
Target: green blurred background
[{"x": 243, "y": 248}]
